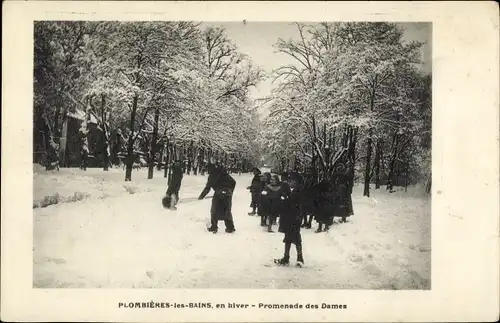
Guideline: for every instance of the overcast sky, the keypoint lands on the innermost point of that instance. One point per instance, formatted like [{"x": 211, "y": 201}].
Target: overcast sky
[{"x": 256, "y": 39}]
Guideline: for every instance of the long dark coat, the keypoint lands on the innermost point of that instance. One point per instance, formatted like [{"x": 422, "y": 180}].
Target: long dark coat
[
  {"x": 255, "y": 190},
  {"x": 342, "y": 195},
  {"x": 291, "y": 216},
  {"x": 323, "y": 202},
  {"x": 262, "y": 202},
  {"x": 272, "y": 199},
  {"x": 308, "y": 195},
  {"x": 223, "y": 185}
]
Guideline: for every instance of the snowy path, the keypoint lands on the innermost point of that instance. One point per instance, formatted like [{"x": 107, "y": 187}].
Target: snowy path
[{"x": 131, "y": 241}]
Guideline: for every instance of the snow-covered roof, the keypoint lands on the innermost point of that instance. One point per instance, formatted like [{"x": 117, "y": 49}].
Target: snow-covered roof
[{"x": 80, "y": 115}]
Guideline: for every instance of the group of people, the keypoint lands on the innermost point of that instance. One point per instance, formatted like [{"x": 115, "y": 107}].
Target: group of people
[
  {"x": 273, "y": 198},
  {"x": 298, "y": 199},
  {"x": 278, "y": 199},
  {"x": 294, "y": 199},
  {"x": 320, "y": 201}
]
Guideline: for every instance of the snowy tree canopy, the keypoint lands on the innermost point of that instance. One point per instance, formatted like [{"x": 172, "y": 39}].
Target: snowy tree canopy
[
  {"x": 172, "y": 79},
  {"x": 359, "y": 77}
]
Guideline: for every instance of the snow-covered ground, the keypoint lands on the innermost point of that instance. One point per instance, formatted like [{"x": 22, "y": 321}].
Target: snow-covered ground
[{"x": 107, "y": 233}]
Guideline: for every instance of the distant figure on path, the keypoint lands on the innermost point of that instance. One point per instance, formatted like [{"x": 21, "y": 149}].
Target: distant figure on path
[
  {"x": 223, "y": 185},
  {"x": 255, "y": 189},
  {"x": 174, "y": 185}
]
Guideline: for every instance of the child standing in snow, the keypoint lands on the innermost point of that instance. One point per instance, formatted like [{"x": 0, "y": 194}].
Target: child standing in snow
[{"x": 291, "y": 218}]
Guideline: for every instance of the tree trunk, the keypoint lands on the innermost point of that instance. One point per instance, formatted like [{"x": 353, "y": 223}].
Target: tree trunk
[
  {"x": 366, "y": 191},
  {"x": 152, "y": 146},
  {"x": 106, "y": 156},
  {"x": 182, "y": 154},
  {"x": 351, "y": 153},
  {"x": 406, "y": 176},
  {"x": 56, "y": 121},
  {"x": 326, "y": 151},
  {"x": 392, "y": 161},
  {"x": 398, "y": 173},
  {"x": 131, "y": 139},
  {"x": 63, "y": 140},
  {"x": 107, "y": 139},
  {"x": 195, "y": 154},
  {"x": 377, "y": 164},
  {"x": 190, "y": 157},
  {"x": 428, "y": 185},
  {"x": 195, "y": 165},
  {"x": 166, "y": 160},
  {"x": 46, "y": 141},
  {"x": 114, "y": 152},
  {"x": 201, "y": 161}
]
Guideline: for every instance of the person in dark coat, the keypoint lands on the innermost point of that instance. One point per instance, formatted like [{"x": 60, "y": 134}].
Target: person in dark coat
[
  {"x": 285, "y": 177},
  {"x": 308, "y": 200},
  {"x": 290, "y": 220},
  {"x": 263, "y": 206},
  {"x": 285, "y": 187},
  {"x": 274, "y": 193},
  {"x": 323, "y": 204},
  {"x": 174, "y": 184},
  {"x": 342, "y": 193},
  {"x": 255, "y": 190},
  {"x": 223, "y": 185}
]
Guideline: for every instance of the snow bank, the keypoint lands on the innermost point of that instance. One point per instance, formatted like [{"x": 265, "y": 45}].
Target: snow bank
[
  {"x": 128, "y": 240},
  {"x": 73, "y": 184}
]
